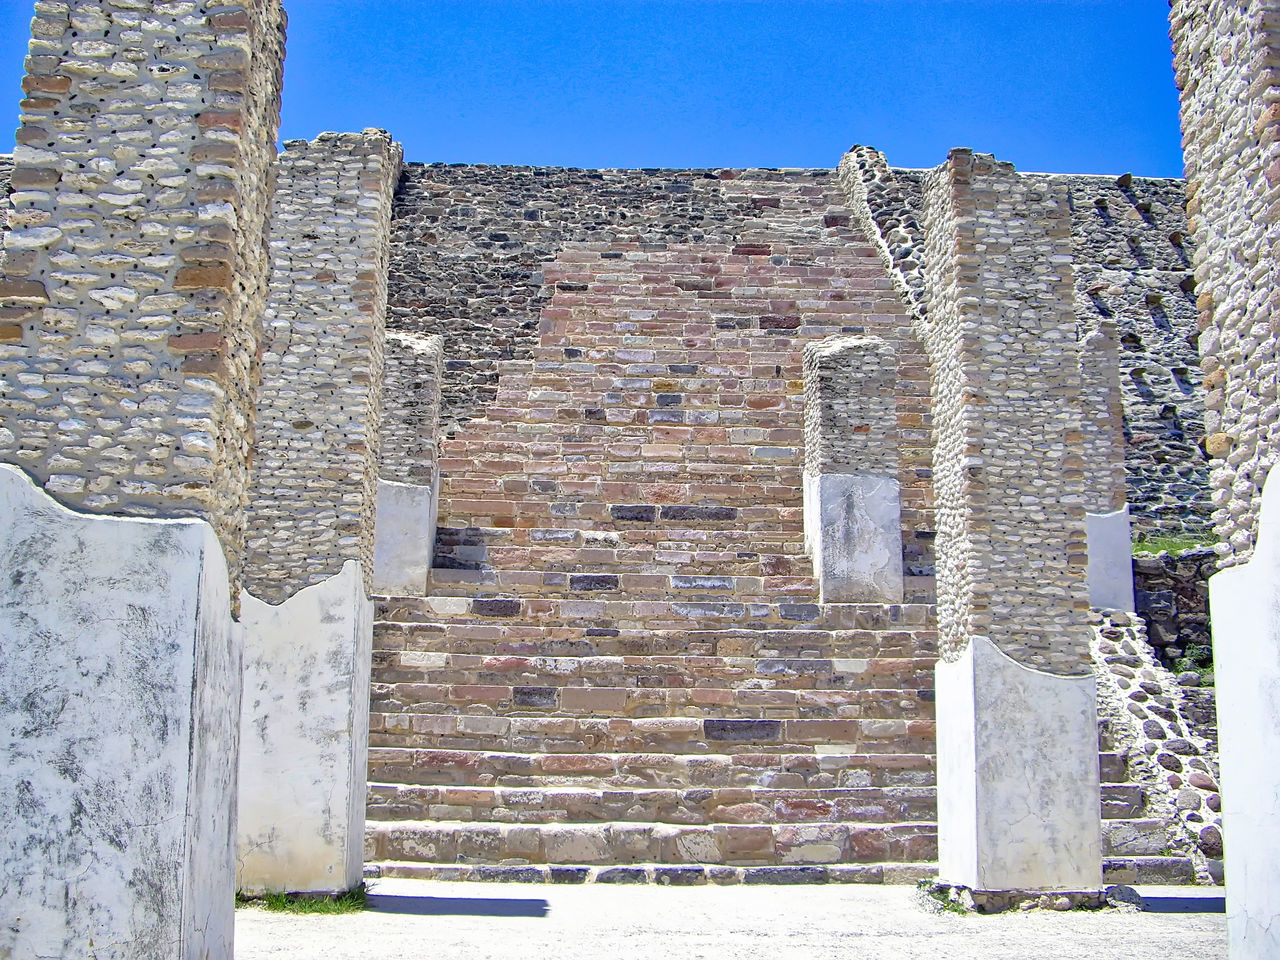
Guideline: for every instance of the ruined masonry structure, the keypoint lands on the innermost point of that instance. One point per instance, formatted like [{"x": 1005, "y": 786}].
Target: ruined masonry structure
[
  {"x": 133, "y": 288},
  {"x": 678, "y": 526},
  {"x": 308, "y": 621},
  {"x": 1227, "y": 60}
]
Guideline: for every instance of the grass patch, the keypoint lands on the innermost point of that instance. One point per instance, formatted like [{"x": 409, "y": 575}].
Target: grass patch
[
  {"x": 353, "y": 901},
  {"x": 1172, "y": 543},
  {"x": 929, "y": 891}
]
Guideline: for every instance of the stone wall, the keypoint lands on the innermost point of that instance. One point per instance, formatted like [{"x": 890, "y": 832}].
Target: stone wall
[
  {"x": 1172, "y": 594},
  {"x": 1227, "y": 63},
  {"x": 319, "y": 407},
  {"x": 412, "y": 373},
  {"x": 1103, "y": 419},
  {"x": 1008, "y": 462},
  {"x": 135, "y": 264},
  {"x": 1132, "y": 258},
  {"x": 850, "y": 416}
]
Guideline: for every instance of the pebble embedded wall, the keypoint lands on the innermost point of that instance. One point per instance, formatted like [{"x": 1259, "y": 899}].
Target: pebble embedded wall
[
  {"x": 1227, "y": 64},
  {"x": 1102, "y": 420},
  {"x": 850, "y": 411},
  {"x": 1008, "y": 463},
  {"x": 412, "y": 372},
  {"x": 319, "y": 412},
  {"x": 135, "y": 261}
]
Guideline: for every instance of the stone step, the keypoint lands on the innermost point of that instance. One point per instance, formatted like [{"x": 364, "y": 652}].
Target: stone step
[
  {"x": 1113, "y": 767},
  {"x": 404, "y": 707},
  {"x": 673, "y": 735},
  {"x": 622, "y": 842},
  {"x": 1135, "y": 838},
  {"x": 490, "y": 638},
  {"x": 652, "y": 614},
  {"x": 656, "y": 873},
  {"x": 607, "y": 585},
  {"x": 395, "y": 802},
  {"x": 803, "y": 771},
  {"x": 1123, "y": 801},
  {"x": 727, "y": 673},
  {"x": 1156, "y": 869}
]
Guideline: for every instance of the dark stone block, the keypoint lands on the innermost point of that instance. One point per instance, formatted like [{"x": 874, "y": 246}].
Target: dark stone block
[
  {"x": 742, "y": 729},
  {"x": 491, "y": 874},
  {"x": 784, "y": 875},
  {"x": 669, "y": 399},
  {"x": 774, "y": 322},
  {"x": 569, "y": 874},
  {"x": 533, "y": 696},
  {"x": 679, "y": 876},
  {"x": 593, "y": 581},
  {"x": 495, "y": 608},
  {"x": 622, "y": 875},
  {"x": 634, "y": 513},
  {"x": 699, "y": 514},
  {"x": 602, "y": 632},
  {"x": 685, "y": 368},
  {"x": 799, "y": 611}
]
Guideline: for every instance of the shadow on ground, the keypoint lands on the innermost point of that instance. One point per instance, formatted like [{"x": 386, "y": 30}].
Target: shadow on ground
[{"x": 458, "y": 906}]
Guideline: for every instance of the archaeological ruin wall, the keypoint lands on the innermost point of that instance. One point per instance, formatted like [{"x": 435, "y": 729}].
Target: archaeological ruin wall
[
  {"x": 319, "y": 410},
  {"x": 135, "y": 268}
]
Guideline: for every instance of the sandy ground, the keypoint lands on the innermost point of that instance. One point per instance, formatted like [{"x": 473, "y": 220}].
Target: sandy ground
[{"x": 454, "y": 921}]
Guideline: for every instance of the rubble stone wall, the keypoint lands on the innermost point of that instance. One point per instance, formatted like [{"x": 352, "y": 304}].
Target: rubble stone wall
[
  {"x": 412, "y": 372},
  {"x": 1227, "y": 64},
  {"x": 850, "y": 415},
  {"x": 1103, "y": 418},
  {"x": 1009, "y": 452},
  {"x": 320, "y": 403},
  {"x": 135, "y": 266}
]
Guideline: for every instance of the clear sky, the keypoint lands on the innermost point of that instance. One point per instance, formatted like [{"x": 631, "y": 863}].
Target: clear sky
[{"x": 1052, "y": 85}]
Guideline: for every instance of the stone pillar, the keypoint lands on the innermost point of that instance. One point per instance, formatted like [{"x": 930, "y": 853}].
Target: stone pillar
[
  {"x": 1018, "y": 793},
  {"x": 1110, "y": 570},
  {"x": 852, "y": 507},
  {"x": 1227, "y": 62},
  {"x": 309, "y": 559},
  {"x": 132, "y": 289},
  {"x": 408, "y": 481}
]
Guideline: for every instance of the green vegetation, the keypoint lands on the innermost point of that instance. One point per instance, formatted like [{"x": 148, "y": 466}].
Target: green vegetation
[
  {"x": 928, "y": 889},
  {"x": 353, "y": 901},
  {"x": 1175, "y": 544},
  {"x": 1199, "y": 658}
]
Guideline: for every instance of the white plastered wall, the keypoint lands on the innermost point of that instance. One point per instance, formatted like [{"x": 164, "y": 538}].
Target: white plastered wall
[
  {"x": 304, "y": 738},
  {"x": 119, "y": 688},
  {"x": 404, "y": 538}
]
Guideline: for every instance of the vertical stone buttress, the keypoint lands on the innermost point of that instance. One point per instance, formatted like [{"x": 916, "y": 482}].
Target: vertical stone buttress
[
  {"x": 1110, "y": 542},
  {"x": 130, "y": 311},
  {"x": 1227, "y": 62},
  {"x": 408, "y": 484},
  {"x": 307, "y": 615},
  {"x": 1018, "y": 772},
  {"x": 853, "y": 511}
]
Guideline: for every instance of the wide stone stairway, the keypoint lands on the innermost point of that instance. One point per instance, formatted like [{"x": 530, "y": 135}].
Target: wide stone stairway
[{"x": 622, "y": 670}]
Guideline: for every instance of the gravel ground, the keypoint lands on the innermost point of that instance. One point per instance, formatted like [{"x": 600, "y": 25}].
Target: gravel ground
[{"x": 453, "y": 921}]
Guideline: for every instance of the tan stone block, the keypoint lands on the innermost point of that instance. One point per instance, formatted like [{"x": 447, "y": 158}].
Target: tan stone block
[
  {"x": 205, "y": 278},
  {"x": 23, "y": 291},
  {"x": 45, "y": 83},
  {"x": 10, "y": 333}
]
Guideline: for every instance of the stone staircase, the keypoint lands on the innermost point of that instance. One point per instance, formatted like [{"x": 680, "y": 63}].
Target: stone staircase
[{"x": 622, "y": 671}]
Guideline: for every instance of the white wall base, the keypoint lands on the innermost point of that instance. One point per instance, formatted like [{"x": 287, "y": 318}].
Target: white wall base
[
  {"x": 1244, "y": 604},
  {"x": 119, "y": 688},
  {"x": 304, "y": 738},
  {"x": 1110, "y": 568},
  {"x": 404, "y": 538},
  {"x": 1018, "y": 791},
  {"x": 853, "y": 530}
]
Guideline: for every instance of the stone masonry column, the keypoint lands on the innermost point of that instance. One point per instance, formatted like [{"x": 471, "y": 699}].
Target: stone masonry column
[
  {"x": 1110, "y": 571},
  {"x": 1018, "y": 794},
  {"x": 130, "y": 307},
  {"x": 1227, "y": 61},
  {"x": 408, "y": 479},
  {"x": 309, "y": 563},
  {"x": 852, "y": 504}
]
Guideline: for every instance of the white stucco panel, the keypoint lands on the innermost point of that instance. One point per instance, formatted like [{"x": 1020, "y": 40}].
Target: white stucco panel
[
  {"x": 120, "y": 667},
  {"x": 304, "y": 737},
  {"x": 1110, "y": 567},
  {"x": 404, "y": 538},
  {"x": 854, "y": 528}
]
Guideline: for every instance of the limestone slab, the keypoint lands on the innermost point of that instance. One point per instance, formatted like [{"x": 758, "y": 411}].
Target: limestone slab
[
  {"x": 856, "y": 537},
  {"x": 404, "y": 538},
  {"x": 1018, "y": 784},
  {"x": 119, "y": 688},
  {"x": 304, "y": 737},
  {"x": 1110, "y": 568},
  {"x": 1244, "y": 603}
]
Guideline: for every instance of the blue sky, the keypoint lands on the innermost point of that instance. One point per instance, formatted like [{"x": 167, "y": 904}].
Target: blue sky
[{"x": 1054, "y": 85}]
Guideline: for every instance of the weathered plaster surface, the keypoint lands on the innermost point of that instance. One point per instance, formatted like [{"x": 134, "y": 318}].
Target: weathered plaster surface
[
  {"x": 118, "y": 693},
  {"x": 1018, "y": 793},
  {"x": 857, "y": 539},
  {"x": 1245, "y": 604},
  {"x": 1110, "y": 560},
  {"x": 304, "y": 737},
  {"x": 404, "y": 538}
]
